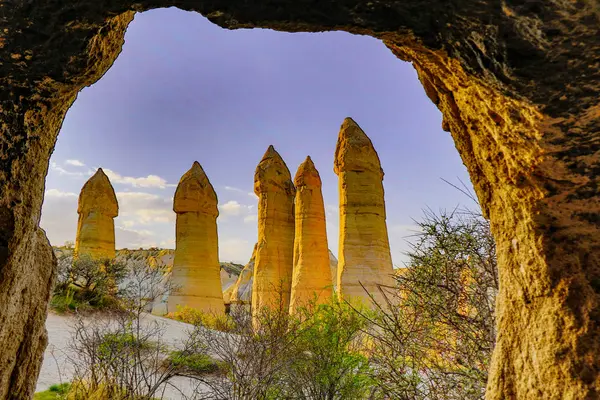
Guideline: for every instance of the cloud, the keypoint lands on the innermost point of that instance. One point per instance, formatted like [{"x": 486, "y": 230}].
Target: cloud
[
  {"x": 231, "y": 208},
  {"x": 250, "y": 218},
  {"x": 77, "y": 174},
  {"x": 59, "y": 194},
  {"x": 145, "y": 208},
  {"x": 237, "y": 190},
  {"x": 59, "y": 216},
  {"x": 235, "y": 249},
  {"x": 75, "y": 163},
  {"x": 150, "y": 181},
  {"x": 134, "y": 239}
]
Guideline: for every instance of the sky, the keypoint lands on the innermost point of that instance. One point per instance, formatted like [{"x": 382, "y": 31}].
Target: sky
[{"x": 185, "y": 90}]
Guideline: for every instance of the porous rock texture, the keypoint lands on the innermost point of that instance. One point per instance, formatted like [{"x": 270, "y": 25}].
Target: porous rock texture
[
  {"x": 196, "y": 269},
  {"x": 275, "y": 249},
  {"x": 240, "y": 293},
  {"x": 365, "y": 263},
  {"x": 97, "y": 208},
  {"x": 311, "y": 279},
  {"x": 517, "y": 83}
]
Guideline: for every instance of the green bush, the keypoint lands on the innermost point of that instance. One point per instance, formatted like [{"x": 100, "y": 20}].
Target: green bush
[
  {"x": 55, "y": 392},
  {"x": 196, "y": 363}
]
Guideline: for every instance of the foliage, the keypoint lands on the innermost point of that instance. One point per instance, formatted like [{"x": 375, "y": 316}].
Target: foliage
[
  {"x": 434, "y": 341},
  {"x": 86, "y": 282},
  {"x": 55, "y": 392},
  {"x": 193, "y": 363},
  {"x": 329, "y": 360},
  {"x": 193, "y": 316},
  {"x": 314, "y": 354}
]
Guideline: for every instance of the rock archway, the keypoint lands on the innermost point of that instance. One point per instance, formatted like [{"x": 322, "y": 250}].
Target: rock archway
[{"x": 517, "y": 83}]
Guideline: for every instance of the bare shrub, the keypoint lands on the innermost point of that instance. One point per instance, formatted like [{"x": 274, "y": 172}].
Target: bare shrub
[{"x": 438, "y": 342}]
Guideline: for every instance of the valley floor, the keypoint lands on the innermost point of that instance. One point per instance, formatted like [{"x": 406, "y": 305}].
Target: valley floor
[{"x": 56, "y": 368}]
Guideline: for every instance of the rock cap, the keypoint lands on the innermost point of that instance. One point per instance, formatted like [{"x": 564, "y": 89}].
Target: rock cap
[
  {"x": 98, "y": 194},
  {"x": 195, "y": 193},
  {"x": 307, "y": 175},
  {"x": 272, "y": 174},
  {"x": 354, "y": 150}
]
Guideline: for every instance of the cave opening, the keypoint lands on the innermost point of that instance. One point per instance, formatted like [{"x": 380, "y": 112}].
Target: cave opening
[
  {"x": 183, "y": 89},
  {"x": 524, "y": 128}
]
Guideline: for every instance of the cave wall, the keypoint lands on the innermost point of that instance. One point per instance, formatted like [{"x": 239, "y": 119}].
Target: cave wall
[{"x": 517, "y": 83}]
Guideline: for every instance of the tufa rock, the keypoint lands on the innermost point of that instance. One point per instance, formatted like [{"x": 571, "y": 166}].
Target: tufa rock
[
  {"x": 526, "y": 131},
  {"x": 312, "y": 274},
  {"x": 364, "y": 250},
  {"x": 274, "y": 253},
  {"x": 97, "y": 208},
  {"x": 196, "y": 270},
  {"x": 240, "y": 293}
]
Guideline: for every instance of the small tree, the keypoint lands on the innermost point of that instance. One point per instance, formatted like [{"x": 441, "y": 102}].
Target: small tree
[{"x": 438, "y": 342}]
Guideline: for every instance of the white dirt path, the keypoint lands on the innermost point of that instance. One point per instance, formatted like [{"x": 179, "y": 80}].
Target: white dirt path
[{"x": 55, "y": 368}]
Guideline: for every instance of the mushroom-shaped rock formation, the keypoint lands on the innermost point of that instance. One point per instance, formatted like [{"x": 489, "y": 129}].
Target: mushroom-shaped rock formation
[
  {"x": 364, "y": 251},
  {"x": 196, "y": 270},
  {"x": 517, "y": 84},
  {"x": 311, "y": 279},
  {"x": 275, "y": 250},
  {"x": 97, "y": 208}
]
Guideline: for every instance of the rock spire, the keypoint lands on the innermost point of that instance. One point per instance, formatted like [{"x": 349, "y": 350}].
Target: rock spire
[
  {"x": 364, "y": 251},
  {"x": 196, "y": 269},
  {"x": 97, "y": 207},
  {"x": 274, "y": 254},
  {"x": 312, "y": 274}
]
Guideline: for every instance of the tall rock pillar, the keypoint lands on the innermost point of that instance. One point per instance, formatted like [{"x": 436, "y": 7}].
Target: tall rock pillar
[
  {"x": 97, "y": 208},
  {"x": 364, "y": 250},
  {"x": 196, "y": 270},
  {"x": 274, "y": 254},
  {"x": 312, "y": 275}
]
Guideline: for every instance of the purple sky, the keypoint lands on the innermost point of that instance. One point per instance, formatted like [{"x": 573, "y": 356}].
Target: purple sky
[{"x": 184, "y": 89}]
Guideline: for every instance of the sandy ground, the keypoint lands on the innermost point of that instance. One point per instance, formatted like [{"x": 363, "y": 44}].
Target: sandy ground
[{"x": 56, "y": 369}]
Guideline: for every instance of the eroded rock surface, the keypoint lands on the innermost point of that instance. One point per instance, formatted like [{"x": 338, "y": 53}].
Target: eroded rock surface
[
  {"x": 517, "y": 84},
  {"x": 275, "y": 249},
  {"x": 240, "y": 293},
  {"x": 311, "y": 281},
  {"x": 196, "y": 270},
  {"x": 97, "y": 209},
  {"x": 365, "y": 261}
]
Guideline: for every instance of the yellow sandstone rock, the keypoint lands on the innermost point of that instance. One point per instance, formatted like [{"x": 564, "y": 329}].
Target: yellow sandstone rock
[
  {"x": 274, "y": 254},
  {"x": 97, "y": 209},
  {"x": 364, "y": 251},
  {"x": 196, "y": 268},
  {"x": 240, "y": 293},
  {"x": 311, "y": 279}
]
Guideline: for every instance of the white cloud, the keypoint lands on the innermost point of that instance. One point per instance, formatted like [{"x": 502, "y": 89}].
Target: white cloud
[
  {"x": 134, "y": 239},
  {"x": 238, "y": 190},
  {"x": 145, "y": 208},
  {"x": 235, "y": 249},
  {"x": 150, "y": 181},
  {"x": 59, "y": 194},
  {"x": 231, "y": 208},
  {"x": 75, "y": 163},
  {"x": 59, "y": 216},
  {"x": 57, "y": 168},
  {"x": 234, "y": 209}
]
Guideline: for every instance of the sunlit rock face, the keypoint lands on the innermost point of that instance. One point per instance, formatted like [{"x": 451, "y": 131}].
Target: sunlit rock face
[
  {"x": 196, "y": 270},
  {"x": 517, "y": 85},
  {"x": 274, "y": 254},
  {"x": 364, "y": 250},
  {"x": 311, "y": 280},
  {"x": 240, "y": 293},
  {"x": 97, "y": 208}
]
